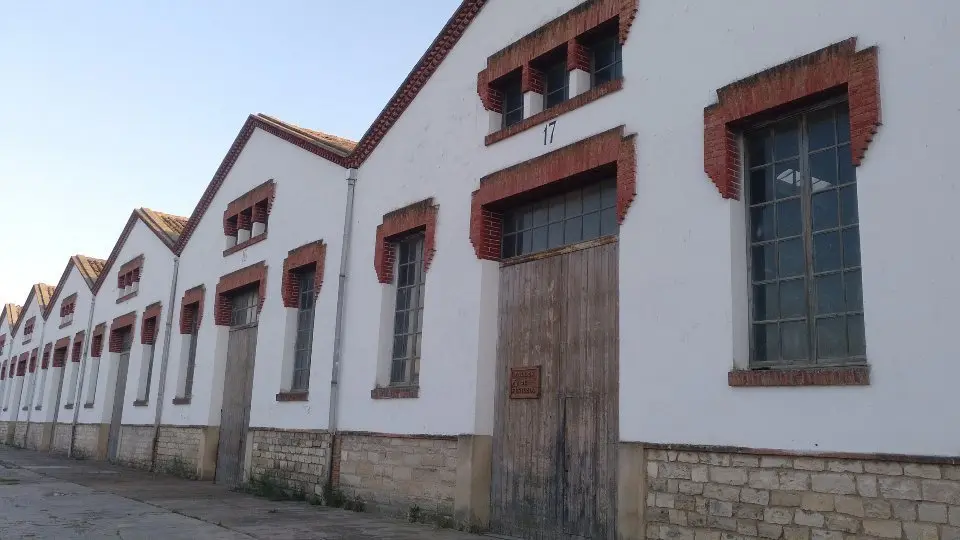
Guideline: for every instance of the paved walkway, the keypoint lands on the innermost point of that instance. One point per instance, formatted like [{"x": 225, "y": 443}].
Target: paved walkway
[{"x": 43, "y": 496}]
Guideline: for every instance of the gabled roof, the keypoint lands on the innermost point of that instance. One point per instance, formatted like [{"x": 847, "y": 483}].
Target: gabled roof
[
  {"x": 337, "y": 150},
  {"x": 89, "y": 269},
  {"x": 42, "y": 292},
  {"x": 10, "y": 313},
  {"x": 167, "y": 227}
]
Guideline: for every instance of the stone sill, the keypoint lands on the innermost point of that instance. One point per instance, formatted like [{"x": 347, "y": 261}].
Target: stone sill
[
  {"x": 64, "y": 325},
  {"x": 38, "y": 407},
  {"x": 245, "y": 244},
  {"x": 24, "y": 408},
  {"x": 140, "y": 403},
  {"x": 88, "y": 405},
  {"x": 395, "y": 392},
  {"x": 571, "y": 104},
  {"x": 68, "y": 406},
  {"x": 838, "y": 376},
  {"x": 295, "y": 395},
  {"x": 181, "y": 400},
  {"x": 26, "y": 341},
  {"x": 123, "y": 299}
]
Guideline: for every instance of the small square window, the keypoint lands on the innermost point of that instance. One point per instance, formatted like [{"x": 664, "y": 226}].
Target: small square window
[
  {"x": 555, "y": 79},
  {"x": 606, "y": 62},
  {"x": 512, "y": 99}
]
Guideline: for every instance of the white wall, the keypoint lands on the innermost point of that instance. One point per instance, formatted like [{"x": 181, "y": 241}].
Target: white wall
[
  {"x": 155, "y": 280},
  {"x": 73, "y": 284},
  {"x": 16, "y": 405},
  {"x": 309, "y": 204},
  {"x": 8, "y": 383}
]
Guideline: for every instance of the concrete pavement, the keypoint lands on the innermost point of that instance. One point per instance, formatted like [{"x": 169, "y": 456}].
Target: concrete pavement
[{"x": 44, "y": 496}]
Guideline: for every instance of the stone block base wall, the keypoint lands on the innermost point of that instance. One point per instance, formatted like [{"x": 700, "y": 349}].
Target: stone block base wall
[
  {"x": 19, "y": 434},
  {"x": 392, "y": 473},
  {"x": 61, "y": 439},
  {"x": 90, "y": 441},
  {"x": 298, "y": 458},
  {"x": 694, "y": 495},
  {"x": 178, "y": 450},
  {"x": 136, "y": 446},
  {"x": 35, "y": 435},
  {"x": 4, "y": 429}
]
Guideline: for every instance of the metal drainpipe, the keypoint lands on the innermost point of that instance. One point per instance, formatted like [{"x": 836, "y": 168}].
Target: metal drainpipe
[
  {"x": 162, "y": 383},
  {"x": 338, "y": 328},
  {"x": 83, "y": 369},
  {"x": 33, "y": 380}
]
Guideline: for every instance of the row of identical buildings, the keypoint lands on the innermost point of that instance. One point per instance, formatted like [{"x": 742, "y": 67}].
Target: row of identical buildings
[{"x": 606, "y": 269}]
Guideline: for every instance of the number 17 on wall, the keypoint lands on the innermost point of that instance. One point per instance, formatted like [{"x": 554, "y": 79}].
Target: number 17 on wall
[{"x": 548, "y": 130}]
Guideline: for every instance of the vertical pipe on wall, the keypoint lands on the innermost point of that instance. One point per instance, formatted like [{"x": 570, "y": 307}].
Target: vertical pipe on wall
[
  {"x": 83, "y": 369},
  {"x": 162, "y": 382},
  {"x": 338, "y": 328}
]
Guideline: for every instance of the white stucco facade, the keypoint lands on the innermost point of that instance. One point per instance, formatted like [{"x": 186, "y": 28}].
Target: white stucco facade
[
  {"x": 310, "y": 197},
  {"x": 19, "y": 399},
  {"x": 8, "y": 383},
  {"x": 156, "y": 277}
]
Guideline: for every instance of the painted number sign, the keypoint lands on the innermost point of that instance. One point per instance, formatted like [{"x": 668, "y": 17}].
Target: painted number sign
[{"x": 525, "y": 383}]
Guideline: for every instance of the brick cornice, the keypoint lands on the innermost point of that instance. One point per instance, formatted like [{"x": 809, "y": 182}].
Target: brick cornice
[
  {"x": 245, "y": 244},
  {"x": 609, "y": 147},
  {"x": 835, "y": 67},
  {"x": 255, "y": 273},
  {"x": 395, "y": 392},
  {"x": 840, "y": 376},
  {"x": 116, "y": 326},
  {"x": 419, "y": 215},
  {"x": 150, "y": 323},
  {"x": 313, "y": 253}
]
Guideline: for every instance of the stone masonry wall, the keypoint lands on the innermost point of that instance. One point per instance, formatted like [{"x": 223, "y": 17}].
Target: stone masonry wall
[
  {"x": 178, "y": 450},
  {"x": 136, "y": 446},
  {"x": 86, "y": 439},
  {"x": 19, "y": 432},
  {"x": 392, "y": 474},
  {"x": 4, "y": 429},
  {"x": 61, "y": 439},
  {"x": 35, "y": 435},
  {"x": 297, "y": 458},
  {"x": 709, "y": 496}
]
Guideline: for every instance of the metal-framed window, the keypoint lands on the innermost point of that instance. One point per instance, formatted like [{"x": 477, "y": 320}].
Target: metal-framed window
[
  {"x": 606, "y": 60},
  {"x": 408, "y": 313},
  {"x": 512, "y": 100},
  {"x": 244, "y": 307},
  {"x": 578, "y": 215},
  {"x": 193, "y": 313},
  {"x": 804, "y": 237},
  {"x": 303, "y": 345},
  {"x": 555, "y": 81}
]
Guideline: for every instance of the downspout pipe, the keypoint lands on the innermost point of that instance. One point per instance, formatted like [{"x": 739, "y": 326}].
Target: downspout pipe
[
  {"x": 338, "y": 329},
  {"x": 162, "y": 383},
  {"x": 83, "y": 370},
  {"x": 33, "y": 381}
]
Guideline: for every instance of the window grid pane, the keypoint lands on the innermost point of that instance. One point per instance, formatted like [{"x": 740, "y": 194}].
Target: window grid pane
[
  {"x": 581, "y": 214},
  {"x": 606, "y": 61},
  {"x": 304, "y": 342},
  {"x": 512, "y": 102},
  {"x": 556, "y": 80},
  {"x": 244, "y": 308},
  {"x": 806, "y": 293},
  {"x": 408, "y": 314}
]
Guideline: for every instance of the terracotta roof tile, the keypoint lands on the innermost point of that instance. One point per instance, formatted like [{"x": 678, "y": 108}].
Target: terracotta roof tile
[
  {"x": 89, "y": 267},
  {"x": 337, "y": 144},
  {"x": 168, "y": 225},
  {"x": 44, "y": 293},
  {"x": 11, "y": 312}
]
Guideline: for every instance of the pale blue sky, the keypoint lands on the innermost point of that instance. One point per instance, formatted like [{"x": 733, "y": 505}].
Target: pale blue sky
[{"x": 110, "y": 105}]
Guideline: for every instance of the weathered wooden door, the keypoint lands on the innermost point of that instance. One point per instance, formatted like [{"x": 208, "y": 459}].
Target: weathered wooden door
[
  {"x": 237, "y": 388},
  {"x": 123, "y": 362},
  {"x": 555, "y": 457}
]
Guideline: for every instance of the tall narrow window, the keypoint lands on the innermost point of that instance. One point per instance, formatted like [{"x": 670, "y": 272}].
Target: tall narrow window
[
  {"x": 305, "y": 315},
  {"x": 556, "y": 78},
  {"x": 193, "y": 314},
  {"x": 244, "y": 307},
  {"x": 807, "y": 301},
  {"x": 606, "y": 62},
  {"x": 408, "y": 314},
  {"x": 512, "y": 100}
]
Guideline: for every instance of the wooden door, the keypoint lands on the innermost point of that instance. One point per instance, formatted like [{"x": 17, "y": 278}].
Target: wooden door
[
  {"x": 554, "y": 457},
  {"x": 237, "y": 390},
  {"x": 123, "y": 362}
]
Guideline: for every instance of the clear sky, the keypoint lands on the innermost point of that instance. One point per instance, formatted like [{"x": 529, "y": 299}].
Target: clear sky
[{"x": 110, "y": 105}]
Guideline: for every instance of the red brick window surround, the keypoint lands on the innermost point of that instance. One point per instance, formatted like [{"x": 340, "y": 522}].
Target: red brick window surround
[
  {"x": 128, "y": 279},
  {"x": 836, "y": 68},
  {"x": 150, "y": 324},
  {"x": 3, "y": 372},
  {"x": 3, "y": 341},
  {"x": 568, "y": 36},
  {"x": 191, "y": 297},
  {"x": 60, "y": 351},
  {"x": 118, "y": 327},
  {"x": 255, "y": 274},
  {"x": 245, "y": 219},
  {"x": 419, "y": 216},
  {"x": 45, "y": 360},
  {"x": 499, "y": 188},
  {"x": 22, "y": 365},
  {"x": 77, "y": 347},
  {"x": 67, "y": 308},
  {"x": 96, "y": 341},
  {"x": 33, "y": 360},
  {"x": 298, "y": 260},
  {"x": 28, "y": 329}
]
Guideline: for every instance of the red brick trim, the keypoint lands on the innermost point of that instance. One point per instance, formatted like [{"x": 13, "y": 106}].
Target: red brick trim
[
  {"x": 129, "y": 272},
  {"x": 245, "y": 244},
  {"x": 77, "y": 347},
  {"x": 293, "y": 396},
  {"x": 137, "y": 214},
  {"x": 193, "y": 296},
  {"x": 603, "y": 149},
  {"x": 841, "y": 376},
  {"x": 3, "y": 372},
  {"x": 45, "y": 359},
  {"x": 838, "y": 66},
  {"x": 395, "y": 392},
  {"x": 22, "y": 365},
  {"x": 563, "y": 30},
  {"x": 573, "y": 103},
  {"x": 150, "y": 323},
  {"x": 123, "y": 299},
  {"x": 33, "y": 360},
  {"x": 313, "y": 253},
  {"x": 255, "y": 273},
  {"x": 140, "y": 403},
  {"x": 68, "y": 306},
  {"x": 96, "y": 345},
  {"x": 181, "y": 401},
  {"x": 410, "y": 218},
  {"x": 859, "y": 456},
  {"x": 117, "y": 327}
]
